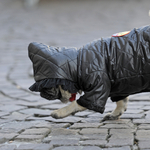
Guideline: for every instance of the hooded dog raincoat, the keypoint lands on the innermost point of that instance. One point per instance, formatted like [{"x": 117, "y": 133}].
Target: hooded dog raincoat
[{"x": 117, "y": 66}]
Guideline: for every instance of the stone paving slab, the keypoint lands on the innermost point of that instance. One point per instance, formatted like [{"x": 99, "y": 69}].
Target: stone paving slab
[
  {"x": 33, "y": 137},
  {"x": 54, "y": 138},
  {"x": 25, "y": 121},
  {"x": 94, "y": 131},
  {"x": 35, "y": 147},
  {"x": 120, "y": 142},
  {"x": 143, "y": 135},
  {"x": 8, "y": 147},
  {"x": 64, "y": 142},
  {"x": 4, "y": 137},
  {"x": 85, "y": 125},
  {"x": 77, "y": 148},
  {"x": 94, "y": 137},
  {"x": 144, "y": 144}
]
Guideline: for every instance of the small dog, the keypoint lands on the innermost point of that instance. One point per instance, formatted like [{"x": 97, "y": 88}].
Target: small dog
[{"x": 114, "y": 67}]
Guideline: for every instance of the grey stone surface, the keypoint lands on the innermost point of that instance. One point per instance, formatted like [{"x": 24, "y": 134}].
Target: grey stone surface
[
  {"x": 38, "y": 131},
  {"x": 143, "y": 135},
  {"x": 94, "y": 137},
  {"x": 124, "y": 132},
  {"x": 144, "y": 144},
  {"x": 65, "y": 142},
  {"x": 133, "y": 111},
  {"x": 8, "y": 147},
  {"x": 91, "y": 120},
  {"x": 16, "y": 116},
  {"x": 61, "y": 131},
  {"x": 83, "y": 113},
  {"x": 54, "y": 106},
  {"x": 3, "y": 114},
  {"x": 119, "y": 148},
  {"x": 146, "y": 107},
  {"x": 60, "y": 125},
  {"x": 147, "y": 115},
  {"x": 77, "y": 148},
  {"x": 101, "y": 143},
  {"x": 119, "y": 121},
  {"x": 49, "y": 138},
  {"x": 19, "y": 126},
  {"x": 132, "y": 116},
  {"x": 70, "y": 119},
  {"x": 121, "y": 137},
  {"x": 35, "y": 147},
  {"x": 93, "y": 131},
  {"x": 144, "y": 126},
  {"x": 4, "y": 137},
  {"x": 36, "y": 112},
  {"x": 141, "y": 121},
  {"x": 43, "y": 124},
  {"x": 120, "y": 142},
  {"x": 11, "y": 108},
  {"x": 96, "y": 115},
  {"x": 24, "y": 137},
  {"x": 25, "y": 121},
  {"x": 85, "y": 125},
  {"x": 118, "y": 126}
]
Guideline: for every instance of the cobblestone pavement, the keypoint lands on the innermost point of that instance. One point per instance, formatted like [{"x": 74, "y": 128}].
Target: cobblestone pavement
[{"x": 25, "y": 121}]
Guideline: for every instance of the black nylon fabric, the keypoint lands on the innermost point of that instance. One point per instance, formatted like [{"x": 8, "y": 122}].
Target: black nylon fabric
[{"x": 115, "y": 67}]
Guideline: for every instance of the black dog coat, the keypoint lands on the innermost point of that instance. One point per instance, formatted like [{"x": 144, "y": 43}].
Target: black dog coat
[{"x": 117, "y": 66}]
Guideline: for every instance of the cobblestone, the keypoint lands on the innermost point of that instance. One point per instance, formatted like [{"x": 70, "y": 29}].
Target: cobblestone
[
  {"x": 28, "y": 138},
  {"x": 120, "y": 142},
  {"x": 144, "y": 144},
  {"x": 35, "y": 147},
  {"x": 4, "y": 137},
  {"x": 8, "y": 147},
  {"x": 119, "y": 148},
  {"x": 61, "y": 137},
  {"x": 100, "y": 143},
  {"x": 25, "y": 121},
  {"x": 85, "y": 125},
  {"x": 117, "y": 126},
  {"x": 144, "y": 126},
  {"x": 94, "y": 137},
  {"x": 64, "y": 142},
  {"x": 94, "y": 131},
  {"x": 77, "y": 148},
  {"x": 61, "y": 131},
  {"x": 143, "y": 135},
  {"x": 36, "y": 131}
]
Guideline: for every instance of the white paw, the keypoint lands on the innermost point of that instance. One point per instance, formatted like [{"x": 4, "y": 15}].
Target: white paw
[
  {"x": 110, "y": 116},
  {"x": 58, "y": 114}
]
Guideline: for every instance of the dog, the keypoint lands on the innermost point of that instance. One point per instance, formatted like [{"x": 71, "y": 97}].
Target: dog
[{"x": 115, "y": 67}]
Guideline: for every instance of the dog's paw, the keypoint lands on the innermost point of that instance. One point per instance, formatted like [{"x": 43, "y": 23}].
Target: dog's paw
[
  {"x": 58, "y": 114},
  {"x": 110, "y": 116},
  {"x": 55, "y": 114}
]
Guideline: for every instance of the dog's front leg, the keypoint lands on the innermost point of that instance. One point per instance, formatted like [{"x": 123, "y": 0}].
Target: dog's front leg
[
  {"x": 68, "y": 110},
  {"x": 121, "y": 107}
]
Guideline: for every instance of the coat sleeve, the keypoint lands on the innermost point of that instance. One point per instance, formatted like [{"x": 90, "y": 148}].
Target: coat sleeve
[{"x": 97, "y": 89}]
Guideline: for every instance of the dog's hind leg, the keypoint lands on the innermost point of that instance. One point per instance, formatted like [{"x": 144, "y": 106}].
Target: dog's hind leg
[
  {"x": 121, "y": 107},
  {"x": 68, "y": 110}
]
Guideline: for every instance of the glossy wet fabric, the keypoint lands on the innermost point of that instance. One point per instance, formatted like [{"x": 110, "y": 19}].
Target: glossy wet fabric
[{"x": 114, "y": 66}]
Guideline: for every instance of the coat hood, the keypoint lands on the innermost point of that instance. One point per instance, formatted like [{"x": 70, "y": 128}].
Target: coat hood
[{"x": 53, "y": 66}]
